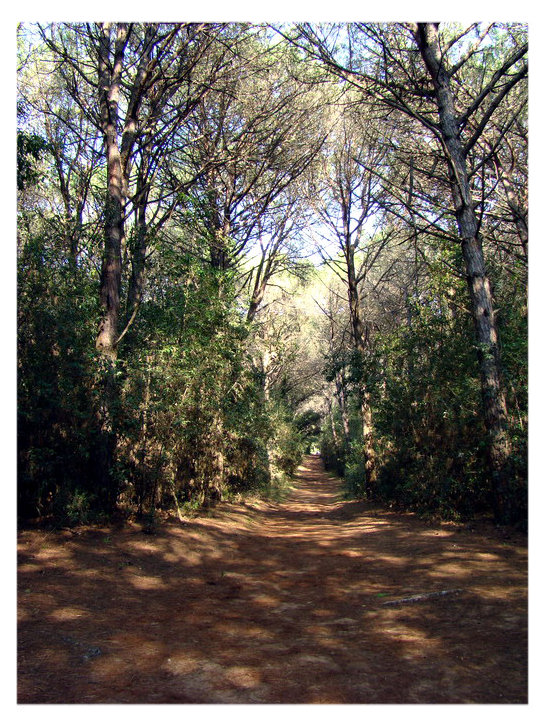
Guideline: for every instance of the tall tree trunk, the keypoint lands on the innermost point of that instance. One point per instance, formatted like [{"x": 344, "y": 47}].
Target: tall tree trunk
[
  {"x": 138, "y": 262},
  {"x": 493, "y": 396},
  {"x": 359, "y": 336},
  {"x": 335, "y": 436},
  {"x": 369, "y": 446},
  {"x": 263, "y": 274},
  {"x": 342, "y": 404},
  {"x": 110, "y": 280}
]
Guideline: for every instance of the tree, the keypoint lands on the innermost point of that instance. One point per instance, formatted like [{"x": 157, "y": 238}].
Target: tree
[
  {"x": 386, "y": 71},
  {"x": 135, "y": 84},
  {"x": 347, "y": 204},
  {"x": 255, "y": 135},
  {"x": 456, "y": 151},
  {"x": 224, "y": 238}
]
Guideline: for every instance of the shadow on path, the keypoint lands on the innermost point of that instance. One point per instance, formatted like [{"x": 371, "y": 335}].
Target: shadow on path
[{"x": 273, "y": 603}]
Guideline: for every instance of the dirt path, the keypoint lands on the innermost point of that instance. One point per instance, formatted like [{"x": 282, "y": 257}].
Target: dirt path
[{"x": 268, "y": 603}]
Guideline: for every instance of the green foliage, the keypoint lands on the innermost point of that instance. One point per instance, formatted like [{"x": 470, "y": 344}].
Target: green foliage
[
  {"x": 424, "y": 386},
  {"x": 196, "y": 426},
  {"x": 511, "y": 297},
  {"x": 355, "y": 474},
  {"x": 429, "y": 423},
  {"x": 188, "y": 414},
  {"x": 192, "y": 424},
  {"x": 30, "y": 148},
  {"x": 78, "y": 508},
  {"x": 333, "y": 457},
  {"x": 288, "y": 441},
  {"x": 308, "y": 425},
  {"x": 57, "y": 423}
]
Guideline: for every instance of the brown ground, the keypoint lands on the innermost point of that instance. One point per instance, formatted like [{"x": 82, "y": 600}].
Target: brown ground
[{"x": 269, "y": 603}]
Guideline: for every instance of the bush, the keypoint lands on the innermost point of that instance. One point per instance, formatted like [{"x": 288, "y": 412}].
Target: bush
[{"x": 355, "y": 476}]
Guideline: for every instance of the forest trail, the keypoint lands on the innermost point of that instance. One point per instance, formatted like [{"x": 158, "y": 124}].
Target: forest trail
[{"x": 274, "y": 603}]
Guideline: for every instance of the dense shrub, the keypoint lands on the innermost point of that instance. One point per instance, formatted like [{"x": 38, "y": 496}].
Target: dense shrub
[{"x": 430, "y": 441}]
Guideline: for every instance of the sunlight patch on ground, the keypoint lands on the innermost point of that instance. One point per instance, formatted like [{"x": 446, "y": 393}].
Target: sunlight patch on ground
[
  {"x": 67, "y": 613},
  {"x": 411, "y": 639},
  {"x": 243, "y": 677},
  {"x": 264, "y": 600},
  {"x": 190, "y": 558},
  {"x": 486, "y": 556},
  {"x": 242, "y": 630},
  {"x": 24, "y": 568},
  {"x": 145, "y": 547},
  {"x": 320, "y": 612},
  {"x": 109, "y": 667},
  {"x": 451, "y": 569},
  {"x": 181, "y": 664},
  {"x": 391, "y": 559},
  {"x": 327, "y": 641},
  {"x": 147, "y": 582},
  {"x": 351, "y": 554},
  {"x": 319, "y": 660},
  {"x": 174, "y": 558},
  {"x": 502, "y": 593}
]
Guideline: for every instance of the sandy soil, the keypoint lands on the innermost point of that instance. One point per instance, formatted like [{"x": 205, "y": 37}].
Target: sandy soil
[{"x": 274, "y": 603}]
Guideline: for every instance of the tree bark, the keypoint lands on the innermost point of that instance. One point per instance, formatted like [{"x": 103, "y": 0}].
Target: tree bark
[
  {"x": 369, "y": 446},
  {"x": 342, "y": 404},
  {"x": 110, "y": 282},
  {"x": 138, "y": 269},
  {"x": 261, "y": 280},
  {"x": 335, "y": 436},
  {"x": 359, "y": 336},
  {"x": 493, "y": 396},
  {"x": 110, "y": 70}
]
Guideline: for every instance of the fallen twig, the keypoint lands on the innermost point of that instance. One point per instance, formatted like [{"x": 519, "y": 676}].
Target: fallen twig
[{"x": 421, "y": 597}]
